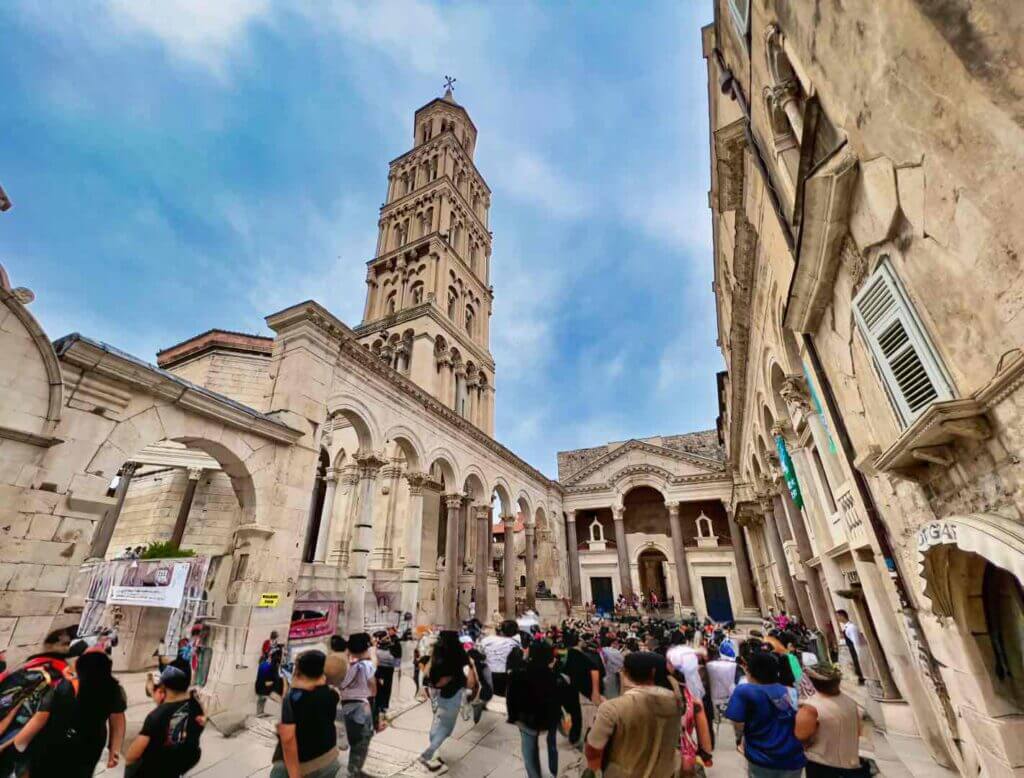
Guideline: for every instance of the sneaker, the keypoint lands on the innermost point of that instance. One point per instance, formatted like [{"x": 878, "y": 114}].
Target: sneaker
[{"x": 435, "y": 765}]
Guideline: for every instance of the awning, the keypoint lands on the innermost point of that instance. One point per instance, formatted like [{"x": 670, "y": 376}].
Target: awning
[{"x": 995, "y": 538}]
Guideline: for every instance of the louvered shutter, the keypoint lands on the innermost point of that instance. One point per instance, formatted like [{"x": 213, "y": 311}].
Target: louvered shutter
[{"x": 908, "y": 365}]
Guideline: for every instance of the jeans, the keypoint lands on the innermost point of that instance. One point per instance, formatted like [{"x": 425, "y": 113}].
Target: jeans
[
  {"x": 385, "y": 681},
  {"x": 444, "y": 723},
  {"x": 280, "y": 771},
  {"x": 261, "y": 704},
  {"x": 530, "y": 741},
  {"x": 756, "y": 771},
  {"x": 359, "y": 730}
]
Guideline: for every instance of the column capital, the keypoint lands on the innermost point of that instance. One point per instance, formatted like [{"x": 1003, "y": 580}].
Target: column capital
[
  {"x": 482, "y": 512},
  {"x": 619, "y": 512},
  {"x": 673, "y": 509},
  {"x": 507, "y": 520},
  {"x": 453, "y": 501},
  {"x": 369, "y": 465},
  {"x": 330, "y": 476},
  {"x": 194, "y": 473},
  {"x": 416, "y": 482},
  {"x": 531, "y": 530},
  {"x": 128, "y": 469}
]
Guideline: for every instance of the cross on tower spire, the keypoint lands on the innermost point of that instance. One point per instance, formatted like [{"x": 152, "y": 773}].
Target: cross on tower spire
[{"x": 449, "y": 84}]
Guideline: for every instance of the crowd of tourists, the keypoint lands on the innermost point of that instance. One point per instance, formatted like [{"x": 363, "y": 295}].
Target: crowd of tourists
[{"x": 641, "y": 697}]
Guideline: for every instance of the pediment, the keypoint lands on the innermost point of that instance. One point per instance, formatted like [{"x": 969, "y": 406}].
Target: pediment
[{"x": 639, "y": 458}]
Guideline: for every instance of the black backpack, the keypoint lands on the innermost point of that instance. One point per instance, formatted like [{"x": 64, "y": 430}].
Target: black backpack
[{"x": 181, "y": 743}]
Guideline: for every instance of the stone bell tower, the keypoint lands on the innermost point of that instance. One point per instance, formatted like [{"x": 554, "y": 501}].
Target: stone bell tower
[{"x": 428, "y": 294}]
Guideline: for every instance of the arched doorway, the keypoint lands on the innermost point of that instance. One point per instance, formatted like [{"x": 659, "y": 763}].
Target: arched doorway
[{"x": 651, "y": 569}]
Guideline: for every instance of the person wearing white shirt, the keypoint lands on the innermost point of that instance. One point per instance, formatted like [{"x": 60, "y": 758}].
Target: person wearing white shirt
[
  {"x": 497, "y": 649},
  {"x": 853, "y": 639},
  {"x": 684, "y": 659}
]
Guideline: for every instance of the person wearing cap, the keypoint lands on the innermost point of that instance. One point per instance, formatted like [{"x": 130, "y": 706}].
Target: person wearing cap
[
  {"x": 167, "y": 746},
  {"x": 307, "y": 742},
  {"x": 828, "y": 724},
  {"x": 358, "y": 688},
  {"x": 637, "y": 734}
]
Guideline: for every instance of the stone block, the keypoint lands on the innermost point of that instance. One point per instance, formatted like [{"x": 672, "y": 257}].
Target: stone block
[
  {"x": 43, "y": 526},
  {"x": 7, "y": 626},
  {"x": 910, "y": 185},
  {"x": 35, "y": 501},
  {"x": 73, "y": 530},
  {"x": 7, "y": 571},
  {"x": 26, "y": 577},
  {"x": 149, "y": 426},
  {"x": 28, "y": 604},
  {"x": 875, "y": 203},
  {"x": 39, "y": 551},
  {"x": 54, "y": 578},
  {"x": 30, "y": 630}
]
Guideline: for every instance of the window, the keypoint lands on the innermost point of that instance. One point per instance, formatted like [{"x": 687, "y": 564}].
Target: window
[
  {"x": 739, "y": 10},
  {"x": 391, "y": 303},
  {"x": 417, "y": 294},
  {"x": 596, "y": 532},
  {"x": 453, "y": 301},
  {"x": 908, "y": 365},
  {"x": 469, "y": 320},
  {"x": 1003, "y": 601}
]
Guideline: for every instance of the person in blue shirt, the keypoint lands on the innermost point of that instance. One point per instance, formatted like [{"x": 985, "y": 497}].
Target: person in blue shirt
[{"x": 764, "y": 717}]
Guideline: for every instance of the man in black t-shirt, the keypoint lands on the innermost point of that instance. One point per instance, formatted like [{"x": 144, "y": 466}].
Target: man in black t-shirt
[
  {"x": 168, "y": 744},
  {"x": 307, "y": 741},
  {"x": 585, "y": 682}
]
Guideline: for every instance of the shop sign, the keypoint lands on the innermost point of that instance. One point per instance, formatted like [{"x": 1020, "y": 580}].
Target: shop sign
[
  {"x": 154, "y": 583},
  {"x": 268, "y": 600},
  {"x": 935, "y": 533}
]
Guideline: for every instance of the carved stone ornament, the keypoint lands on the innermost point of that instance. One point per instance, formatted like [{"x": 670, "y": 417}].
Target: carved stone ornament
[{"x": 794, "y": 392}]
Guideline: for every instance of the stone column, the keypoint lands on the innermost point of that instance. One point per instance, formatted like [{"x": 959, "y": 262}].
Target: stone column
[
  {"x": 105, "y": 528},
  {"x": 818, "y": 611},
  {"x": 625, "y": 578},
  {"x": 413, "y": 542},
  {"x": 739, "y": 549},
  {"x": 575, "y": 593},
  {"x": 194, "y": 474},
  {"x": 449, "y": 612},
  {"x": 351, "y": 512},
  {"x": 773, "y": 533},
  {"x": 326, "y": 514},
  {"x": 679, "y": 552},
  {"x": 362, "y": 541},
  {"x": 482, "y": 514},
  {"x": 531, "y": 567},
  {"x": 786, "y": 531},
  {"x": 509, "y": 566}
]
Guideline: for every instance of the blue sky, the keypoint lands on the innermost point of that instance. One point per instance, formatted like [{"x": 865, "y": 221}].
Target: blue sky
[{"x": 177, "y": 165}]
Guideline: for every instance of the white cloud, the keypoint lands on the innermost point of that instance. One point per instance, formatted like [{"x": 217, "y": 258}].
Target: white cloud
[
  {"x": 207, "y": 33},
  {"x": 675, "y": 215},
  {"x": 527, "y": 176}
]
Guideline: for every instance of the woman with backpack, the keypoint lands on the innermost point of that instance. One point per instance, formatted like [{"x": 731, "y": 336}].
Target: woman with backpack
[
  {"x": 69, "y": 731},
  {"x": 450, "y": 673},
  {"x": 534, "y": 694}
]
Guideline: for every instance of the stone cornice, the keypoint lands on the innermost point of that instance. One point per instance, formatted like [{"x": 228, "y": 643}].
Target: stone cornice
[
  {"x": 650, "y": 448},
  {"x": 107, "y": 361},
  {"x": 33, "y": 439},
  {"x": 428, "y": 190},
  {"x": 431, "y": 310},
  {"x": 350, "y": 348},
  {"x": 436, "y": 141},
  {"x": 744, "y": 258}
]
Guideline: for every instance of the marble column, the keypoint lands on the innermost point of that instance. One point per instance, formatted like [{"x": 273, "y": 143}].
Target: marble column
[
  {"x": 574, "y": 558},
  {"x": 413, "y": 543},
  {"x": 362, "y": 541},
  {"x": 105, "y": 529},
  {"x": 774, "y": 536},
  {"x": 679, "y": 552},
  {"x": 326, "y": 515},
  {"x": 482, "y": 514},
  {"x": 178, "y": 533},
  {"x": 531, "y": 567},
  {"x": 509, "y": 566},
  {"x": 739, "y": 550},
  {"x": 449, "y": 617},
  {"x": 625, "y": 577},
  {"x": 819, "y": 612}
]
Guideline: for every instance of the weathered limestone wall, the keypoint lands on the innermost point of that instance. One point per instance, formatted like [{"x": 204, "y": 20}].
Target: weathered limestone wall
[{"x": 242, "y": 377}]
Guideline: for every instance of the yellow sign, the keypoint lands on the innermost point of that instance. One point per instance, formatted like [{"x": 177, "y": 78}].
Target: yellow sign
[{"x": 268, "y": 600}]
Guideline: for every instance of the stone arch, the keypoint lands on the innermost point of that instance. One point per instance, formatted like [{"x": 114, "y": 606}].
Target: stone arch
[
  {"x": 776, "y": 376},
  {"x": 445, "y": 464},
  {"x": 650, "y": 545},
  {"x": 524, "y": 505},
  {"x": 13, "y": 299},
  {"x": 409, "y": 444},
  {"x": 357, "y": 414},
  {"x": 540, "y": 519},
  {"x": 628, "y": 479},
  {"x": 229, "y": 448},
  {"x": 474, "y": 485},
  {"x": 504, "y": 494}
]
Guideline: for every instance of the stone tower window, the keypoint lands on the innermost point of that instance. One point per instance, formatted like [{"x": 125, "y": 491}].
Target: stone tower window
[
  {"x": 453, "y": 301},
  {"x": 417, "y": 293},
  {"x": 469, "y": 319}
]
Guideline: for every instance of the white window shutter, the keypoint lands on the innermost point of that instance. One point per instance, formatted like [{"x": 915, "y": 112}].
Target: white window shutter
[{"x": 909, "y": 367}]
